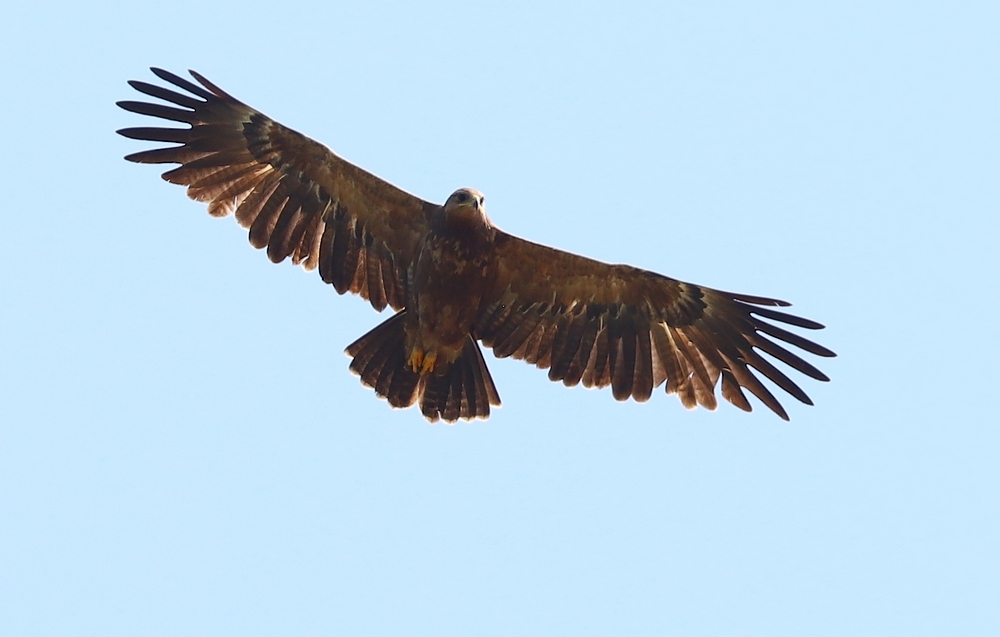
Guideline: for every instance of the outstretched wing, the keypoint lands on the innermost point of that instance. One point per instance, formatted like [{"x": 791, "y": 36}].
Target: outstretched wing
[
  {"x": 633, "y": 329},
  {"x": 295, "y": 196}
]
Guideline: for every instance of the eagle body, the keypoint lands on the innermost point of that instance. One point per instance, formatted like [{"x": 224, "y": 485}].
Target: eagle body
[
  {"x": 454, "y": 280},
  {"x": 450, "y": 278}
]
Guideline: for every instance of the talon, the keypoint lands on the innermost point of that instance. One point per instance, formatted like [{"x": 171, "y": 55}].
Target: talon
[
  {"x": 416, "y": 359},
  {"x": 428, "y": 365}
]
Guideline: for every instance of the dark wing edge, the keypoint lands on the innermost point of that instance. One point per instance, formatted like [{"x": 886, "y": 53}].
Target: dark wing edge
[
  {"x": 295, "y": 196},
  {"x": 601, "y": 324}
]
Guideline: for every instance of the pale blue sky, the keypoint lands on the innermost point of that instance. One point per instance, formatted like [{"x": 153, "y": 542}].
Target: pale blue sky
[{"x": 182, "y": 448}]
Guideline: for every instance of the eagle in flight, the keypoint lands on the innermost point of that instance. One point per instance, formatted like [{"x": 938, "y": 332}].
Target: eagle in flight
[{"x": 454, "y": 279}]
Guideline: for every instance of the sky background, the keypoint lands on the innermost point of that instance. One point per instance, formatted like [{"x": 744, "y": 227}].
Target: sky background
[{"x": 184, "y": 452}]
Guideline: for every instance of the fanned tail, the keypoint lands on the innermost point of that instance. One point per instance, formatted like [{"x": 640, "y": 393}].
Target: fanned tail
[
  {"x": 464, "y": 389},
  {"x": 380, "y": 361}
]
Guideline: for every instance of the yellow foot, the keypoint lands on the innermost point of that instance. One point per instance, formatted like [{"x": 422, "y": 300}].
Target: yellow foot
[
  {"x": 428, "y": 365},
  {"x": 422, "y": 362},
  {"x": 416, "y": 359}
]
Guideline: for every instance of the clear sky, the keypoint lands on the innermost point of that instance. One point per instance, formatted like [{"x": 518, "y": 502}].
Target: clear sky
[{"x": 184, "y": 452}]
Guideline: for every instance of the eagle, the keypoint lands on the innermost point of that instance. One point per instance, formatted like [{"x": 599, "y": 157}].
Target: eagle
[{"x": 455, "y": 280}]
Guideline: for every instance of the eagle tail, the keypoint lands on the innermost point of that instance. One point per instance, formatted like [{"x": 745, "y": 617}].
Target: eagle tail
[
  {"x": 463, "y": 389},
  {"x": 380, "y": 361}
]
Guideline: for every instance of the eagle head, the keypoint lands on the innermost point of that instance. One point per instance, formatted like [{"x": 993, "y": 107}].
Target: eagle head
[{"x": 466, "y": 203}]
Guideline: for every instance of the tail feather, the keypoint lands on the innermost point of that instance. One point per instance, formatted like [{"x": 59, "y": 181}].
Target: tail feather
[
  {"x": 380, "y": 361},
  {"x": 487, "y": 391},
  {"x": 403, "y": 386},
  {"x": 470, "y": 397},
  {"x": 464, "y": 389}
]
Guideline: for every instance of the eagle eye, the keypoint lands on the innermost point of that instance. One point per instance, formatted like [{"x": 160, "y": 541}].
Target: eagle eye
[{"x": 463, "y": 197}]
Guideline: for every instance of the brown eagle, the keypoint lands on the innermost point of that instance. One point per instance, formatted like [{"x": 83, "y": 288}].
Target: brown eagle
[{"x": 454, "y": 278}]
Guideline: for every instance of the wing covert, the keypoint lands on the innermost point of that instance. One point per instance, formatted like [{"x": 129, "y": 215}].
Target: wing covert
[
  {"x": 601, "y": 324},
  {"x": 296, "y": 197}
]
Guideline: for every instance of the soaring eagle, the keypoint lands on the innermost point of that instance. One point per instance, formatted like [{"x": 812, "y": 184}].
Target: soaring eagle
[{"x": 454, "y": 278}]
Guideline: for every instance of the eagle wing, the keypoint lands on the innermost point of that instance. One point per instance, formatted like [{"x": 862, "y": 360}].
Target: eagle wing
[
  {"x": 295, "y": 196},
  {"x": 633, "y": 329}
]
